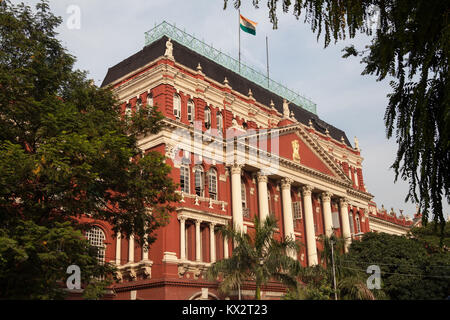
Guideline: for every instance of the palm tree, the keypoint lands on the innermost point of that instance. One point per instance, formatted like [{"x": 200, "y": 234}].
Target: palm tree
[{"x": 256, "y": 257}]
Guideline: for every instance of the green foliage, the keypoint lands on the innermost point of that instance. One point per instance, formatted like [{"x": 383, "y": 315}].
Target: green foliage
[
  {"x": 65, "y": 153},
  {"x": 257, "y": 257},
  {"x": 34, "y": 259},
  {"x": 408, "y": 269},
  {"x": 432, "y": 236},
  {"x": 315, "y": 285},
  {"x": 411, "y": 44}
]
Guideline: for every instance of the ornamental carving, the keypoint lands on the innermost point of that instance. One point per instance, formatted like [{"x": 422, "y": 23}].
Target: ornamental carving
[
  {"x": 343, "y": 202},
  {"x": 286, "y": 183},
  {"x": 326, "y": 196},
  {"x": 295, "y": 151},
  {"x": 307, "y": 190},
  {"x": 262, "y": 177},
  {"x": 236, "y": 168}
]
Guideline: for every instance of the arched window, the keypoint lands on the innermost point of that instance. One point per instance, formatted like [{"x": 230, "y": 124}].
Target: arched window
[
  {"x": 212, "y": 183},
  {"x": 184, "y": 179},
  {"x": 199, "y": 181},
  {"x": 177, "y": 106},
  {"x": 207, "y": 118},
  {"x": 191, "y": 111},
  {"x": 219, "y": 120},
  {"x": 96, "y": 238}
]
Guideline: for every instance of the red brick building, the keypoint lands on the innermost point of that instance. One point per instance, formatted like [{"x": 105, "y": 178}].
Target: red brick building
[{"x": 238, "y": 149}]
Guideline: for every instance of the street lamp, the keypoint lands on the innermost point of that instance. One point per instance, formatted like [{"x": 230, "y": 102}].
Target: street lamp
[{"x": 332, "y": 259}]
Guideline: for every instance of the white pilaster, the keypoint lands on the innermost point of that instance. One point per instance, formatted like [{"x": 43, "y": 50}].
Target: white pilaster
[
  {"x": 131, "y": 249},
  {"x": 198, "y": 256},
  {"x": 346, "y": 234},
  {"x": 118, "y": 248},
  {"x": 262, "y": 196},
  {"x": 225, "y": 248},
  {"x": 182, "y": 238},
  {"x": 309, "y": 226},
  {"x": 212, "y": 242},
  {"x": 238, "y": 220},
  {"x": 327, "y": 218},
  {"x": 287, "y": 210}
]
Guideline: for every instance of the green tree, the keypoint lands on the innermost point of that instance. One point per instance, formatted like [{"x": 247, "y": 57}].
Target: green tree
[
  {"x": 318, "y": 281},
  {"x": 427, "y": 234},
  {"x": 412, "y": 45},
  {"x": 257, "y": 257},
  {"x": 65, "y": 152},
  {"x": 409, "y": 270}
]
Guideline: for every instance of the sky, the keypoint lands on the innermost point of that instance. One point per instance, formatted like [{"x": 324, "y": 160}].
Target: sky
[{"x": 108, "y": 32}]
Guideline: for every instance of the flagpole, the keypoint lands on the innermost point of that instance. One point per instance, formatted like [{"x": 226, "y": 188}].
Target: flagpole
[
  {"x": 267, "y": 56},
  {"x": 239, "y": 26}
]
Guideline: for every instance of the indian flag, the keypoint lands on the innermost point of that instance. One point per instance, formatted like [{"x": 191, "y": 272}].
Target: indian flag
[{"x": 247, "y": 25}]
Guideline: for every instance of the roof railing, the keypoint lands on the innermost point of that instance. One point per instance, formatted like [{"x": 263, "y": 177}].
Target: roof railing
[{"x": 250, "y": 73}]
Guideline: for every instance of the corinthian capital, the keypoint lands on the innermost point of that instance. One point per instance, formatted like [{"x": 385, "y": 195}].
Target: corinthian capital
[
  {"x": 236, "y": 168},
  {"x": 307, "y": 190},
  {"x": 261, "y": 177},
  {"x": 326, "y": 196},
  {"x": 286, "y": 183},
  {"x": 343, "y": 202}
]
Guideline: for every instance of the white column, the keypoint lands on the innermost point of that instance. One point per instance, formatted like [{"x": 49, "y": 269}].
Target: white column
[
  {"x": 212, "y": 242},
  {"x": 262, "y": 196},
  {"x": 309, "y": 227},
  {"x": 182, "y": 238},
  {"x": 198, "y": 256},
  {"x": 343, "y": 203},
  {"x": 287, "y": 211},
  {"x": 327, "y": 218},
  {"x": 238, "y": 220},
  {"x": 144, "y": 253},
  {"x": 131, "y": 249},
  {"x": 118, "y": 248},
  {"x": 225, "y": 248}
]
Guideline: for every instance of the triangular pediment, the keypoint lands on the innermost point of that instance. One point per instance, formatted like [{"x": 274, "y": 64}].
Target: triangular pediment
[{"x": 297, "y": 145}]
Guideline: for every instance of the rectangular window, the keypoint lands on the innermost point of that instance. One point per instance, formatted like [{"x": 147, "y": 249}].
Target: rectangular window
[
  {"x": 199, "y": 183},
  {"x": 350, "y": 218},
  {"x": 297, "y": 210},
  {"x": 212, "y": 186},
  {"x": 335, "y": 216},
  {"x": 356, "y": 177},
  {"x": 184, "y": 179}
]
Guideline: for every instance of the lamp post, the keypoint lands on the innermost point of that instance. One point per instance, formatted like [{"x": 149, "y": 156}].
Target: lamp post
[
  {"x": 334, "y": 271},
  {"x": 332, "y": 259}
]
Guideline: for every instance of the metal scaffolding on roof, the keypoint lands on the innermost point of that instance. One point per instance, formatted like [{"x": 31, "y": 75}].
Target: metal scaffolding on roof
[{"x": 250, "y": 73}]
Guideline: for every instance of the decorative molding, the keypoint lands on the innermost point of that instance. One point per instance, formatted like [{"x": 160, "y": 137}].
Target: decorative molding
[
  {"x": 286, "y": 183},
  {"x": 307, "y": 190},
  {"x": 326, "y": 196}
]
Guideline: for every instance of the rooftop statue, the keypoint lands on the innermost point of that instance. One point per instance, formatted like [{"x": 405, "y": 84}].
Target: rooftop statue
[
  {"x": 286, "y": 112},
  {"x": 169, "y": 49}
]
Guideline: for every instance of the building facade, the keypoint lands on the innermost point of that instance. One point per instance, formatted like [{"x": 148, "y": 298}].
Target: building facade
[{"x": 240, "y": 149}]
